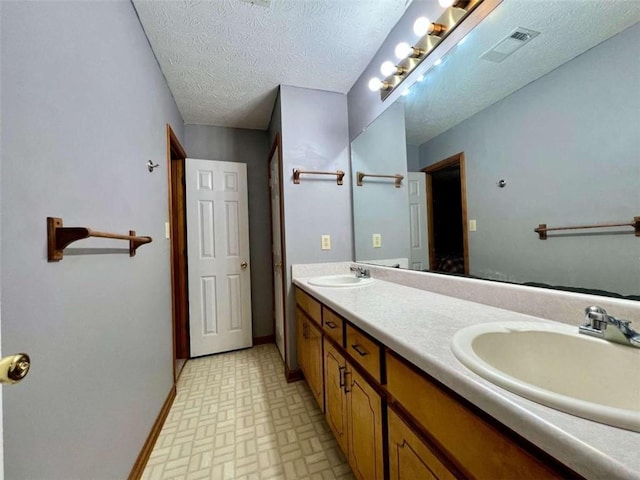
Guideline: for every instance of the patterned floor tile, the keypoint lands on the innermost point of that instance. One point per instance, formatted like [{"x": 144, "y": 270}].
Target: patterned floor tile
[{"x": 236, "y": 418}]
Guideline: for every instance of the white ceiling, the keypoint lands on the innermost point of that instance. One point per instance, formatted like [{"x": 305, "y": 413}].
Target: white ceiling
[
  {"x": 224, "y": 59},
  {"x": 464, "y": 84}
]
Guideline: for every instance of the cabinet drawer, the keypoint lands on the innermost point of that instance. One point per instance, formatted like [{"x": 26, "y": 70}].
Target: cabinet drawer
[
  {"x": 332, "y": 325},
  {"x": 364, "y": 350},
  {"x": 310, "y": 305},
  {"x": 486, "y": 453}
]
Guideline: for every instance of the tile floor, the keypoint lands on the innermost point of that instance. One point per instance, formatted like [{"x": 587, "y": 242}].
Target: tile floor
[{"x": 236, "y": 417}]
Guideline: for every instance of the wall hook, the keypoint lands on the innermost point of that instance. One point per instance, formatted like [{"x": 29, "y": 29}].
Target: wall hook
[
  {"x": 151, "y": 165},
  {"x": 502, "y": 183}
]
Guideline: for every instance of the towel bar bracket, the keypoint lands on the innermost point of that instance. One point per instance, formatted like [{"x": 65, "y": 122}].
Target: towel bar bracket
[
  {"x": 59, "y": 237},
  {"x": 542, "y": 229}
]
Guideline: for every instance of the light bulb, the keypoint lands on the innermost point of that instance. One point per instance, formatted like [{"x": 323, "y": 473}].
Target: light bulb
[
  {"x": 375, "y": 84},
  {"x": 437, "y": 62},
  {"x": 446, "y": 3},
  {"x": 406, "y": 92},
  {"x": 421, "y": 26},
  {"x": 420, "y": 78},
  {"x": 403, "y": 50},
  {"x": 388, "y": 68}
]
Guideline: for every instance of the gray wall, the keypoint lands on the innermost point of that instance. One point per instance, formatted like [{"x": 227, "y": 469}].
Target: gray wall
[
  {"x": 84, "y": 106},
  {"x": 314, "y": 137},
  {"x": 568, "y": 146},
  {"x": 413, "y": 158},
  {"x": 250, "y": 147},
  {"x": 381, "y": 149}
]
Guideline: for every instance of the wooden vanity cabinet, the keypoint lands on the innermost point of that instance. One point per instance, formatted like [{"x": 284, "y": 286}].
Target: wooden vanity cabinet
[
  {"x": 477, "y": 446},
  {"x": 309, "y": 343},
  {"x": 364, "y": 427},
  {"x": 410, "y": 457},
  {"x": 354, "y": 414},
  {"x": 335, "y": 367},
  {"x": 394, "y": 421}
]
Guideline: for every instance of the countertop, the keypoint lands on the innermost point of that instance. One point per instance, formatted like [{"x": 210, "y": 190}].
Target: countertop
[{"x": 419, "y": 326}]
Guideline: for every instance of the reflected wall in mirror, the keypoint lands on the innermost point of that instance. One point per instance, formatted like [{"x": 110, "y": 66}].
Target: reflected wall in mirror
[{"x": 558, "y": 122}]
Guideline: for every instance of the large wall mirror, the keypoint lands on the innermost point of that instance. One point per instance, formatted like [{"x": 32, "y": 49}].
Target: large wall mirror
[{"x": 490, "y": 148}]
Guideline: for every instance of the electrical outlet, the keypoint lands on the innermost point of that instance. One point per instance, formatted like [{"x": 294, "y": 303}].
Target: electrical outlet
[
  {"x": 377, "y": 240},
  {"x": 472, "y": 225},
  {"x": 326, "y": 242}
]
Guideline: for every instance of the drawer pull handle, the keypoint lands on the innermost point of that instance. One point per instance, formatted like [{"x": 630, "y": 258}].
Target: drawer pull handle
[
  {"x": 341, "y": 370},
  {"x": 346, "y": 390},
  {"x": 331, "y": 324},
  {"x": 360, "y": 350}
]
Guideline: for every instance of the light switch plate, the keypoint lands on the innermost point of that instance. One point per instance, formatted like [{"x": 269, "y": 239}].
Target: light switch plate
[
  {"x": 472, "y": 225},
  {"x": 326, "y": 242},
  {"x": 377, "y": 240}
]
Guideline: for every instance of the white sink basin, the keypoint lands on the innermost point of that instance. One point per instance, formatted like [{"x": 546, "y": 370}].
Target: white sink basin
[
  {"x": 554, "y": 365},
  {"x": 340, "y": 281}
]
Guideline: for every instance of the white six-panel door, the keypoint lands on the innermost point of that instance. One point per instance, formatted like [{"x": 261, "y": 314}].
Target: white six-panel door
[
  {"x": 417, "y": 184},
  {"x": 218, "y": 256}
]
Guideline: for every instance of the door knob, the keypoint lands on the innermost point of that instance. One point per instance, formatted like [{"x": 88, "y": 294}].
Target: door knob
[
  {"x": 14, "y": 368},
  {"x": 244, "y": 265}
]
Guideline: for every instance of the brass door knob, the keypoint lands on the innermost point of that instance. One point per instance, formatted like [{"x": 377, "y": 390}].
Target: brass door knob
[
  {"x": 14, "y": 368},
  {"x": 244, "y": 265}
]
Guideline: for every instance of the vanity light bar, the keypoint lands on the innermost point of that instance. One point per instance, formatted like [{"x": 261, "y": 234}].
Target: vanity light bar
[{"x": 442, "y": 27}]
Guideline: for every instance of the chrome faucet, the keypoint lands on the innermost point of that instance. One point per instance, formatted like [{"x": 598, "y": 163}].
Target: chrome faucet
[
  {"x": 599, "y": 324},
  {"x": 361, "y": 272}
]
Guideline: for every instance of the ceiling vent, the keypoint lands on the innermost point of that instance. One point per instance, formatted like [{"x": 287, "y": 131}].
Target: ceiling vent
[
  {"x": 260, "y": 3},
  {"x": 512, "y": 42}
]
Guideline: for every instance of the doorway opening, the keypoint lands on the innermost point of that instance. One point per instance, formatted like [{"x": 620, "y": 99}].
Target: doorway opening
[
  {"x": 447, "y": 216},
  {"x": 178, "y": 232}
]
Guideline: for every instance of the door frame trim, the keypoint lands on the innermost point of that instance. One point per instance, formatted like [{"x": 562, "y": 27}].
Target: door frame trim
[
  {"x": 457, "y": 159},
  {"x": 175, "y": 152},
  {"x": 277, "y": 143}
]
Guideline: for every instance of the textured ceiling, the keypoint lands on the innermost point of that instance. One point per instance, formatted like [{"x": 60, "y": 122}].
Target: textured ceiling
[
  {"x": 464, "y": 85},
  {"x": 224, "y": 59}
]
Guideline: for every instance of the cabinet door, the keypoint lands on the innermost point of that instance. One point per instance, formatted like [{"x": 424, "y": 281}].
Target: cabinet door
[
  {"x": 336, "y": 401},
  {"x": 409, "y": 457},
  {"x": 364, "y": 420},
  {"x": 302, "y": 341},
  {"x": 315, "y": 373}
]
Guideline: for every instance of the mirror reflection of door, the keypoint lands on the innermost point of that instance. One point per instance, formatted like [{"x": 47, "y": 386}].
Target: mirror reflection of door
[
  {"x": 447, "y": 216},
  {"x": 419, "y": 253}
]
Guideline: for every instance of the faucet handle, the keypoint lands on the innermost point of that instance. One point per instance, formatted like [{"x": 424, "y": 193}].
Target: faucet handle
[
  {"x": 594, "y": 309},
  {"x": 595, "y": 317}
]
